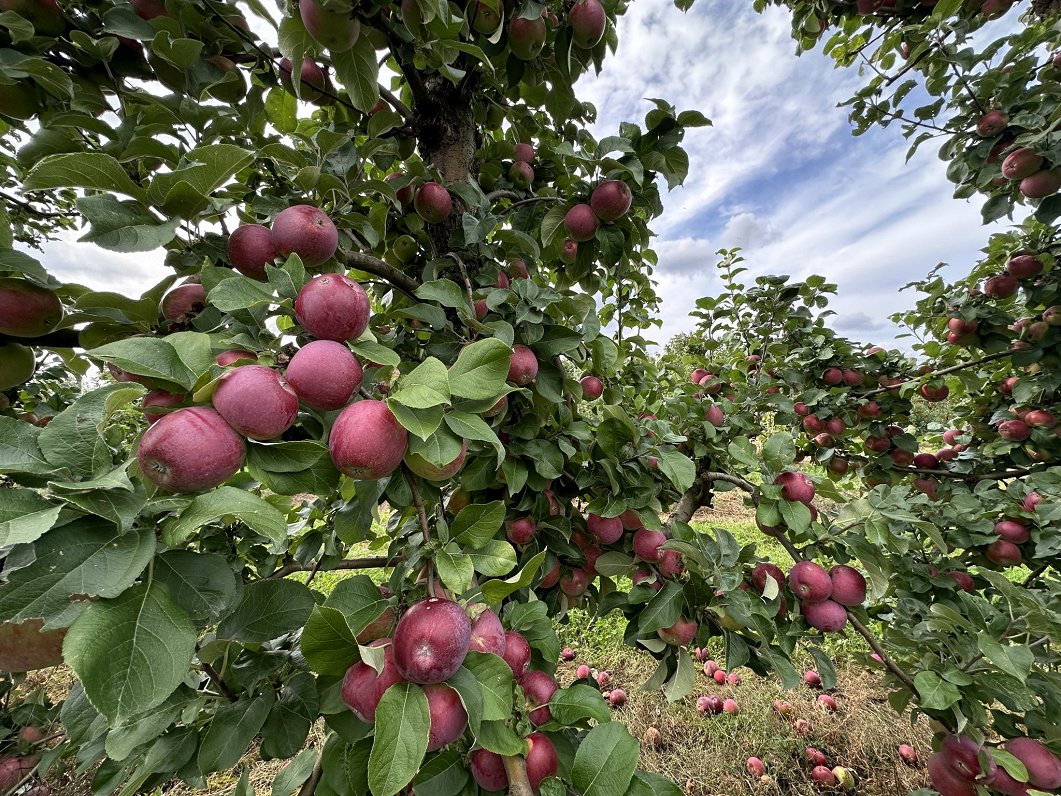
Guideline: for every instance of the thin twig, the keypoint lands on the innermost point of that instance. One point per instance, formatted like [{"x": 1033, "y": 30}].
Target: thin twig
[
  {"x": 29, "y": 208},
  {"x": 370, "y": 562},
  {"x": 310, "y": 785},
  {"x": 403, "y": 110},
  {"x": 941, "y": 372},
  {"x": 215, "y": 678},
  {"x": 373, "y": 265},
  {"x": 421, "y": 512},
  {"x": 863, "y": 631},
  {"x": 467, "y": 279}
]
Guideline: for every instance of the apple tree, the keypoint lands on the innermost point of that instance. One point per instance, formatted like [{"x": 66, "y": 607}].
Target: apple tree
[{"x": 401, "y": 330}]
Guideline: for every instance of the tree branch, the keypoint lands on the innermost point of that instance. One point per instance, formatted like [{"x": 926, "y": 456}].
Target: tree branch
[
  {"x": 863, "y": 631},
  {"x": 310, "y": 785},
  {"x": 29, "y": 208},
  {"x": 221, "y": 685},
  {"x": 403, "y": 110},
  {"x": 421, "y": 513},
  {"x": 372, "y": 265},
  {"x": 371, "y": 562},
  {"x": 518, "y": 782},
  {"x": 951, "y": 369}
]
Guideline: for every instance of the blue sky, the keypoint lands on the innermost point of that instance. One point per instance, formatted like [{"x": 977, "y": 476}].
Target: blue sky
[{"x": 778, "y": 174}]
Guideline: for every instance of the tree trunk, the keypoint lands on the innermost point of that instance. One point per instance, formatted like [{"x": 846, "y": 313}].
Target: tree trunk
[
  {"x": 699, "y": 494},
  {"x": 518, "y": 783}
]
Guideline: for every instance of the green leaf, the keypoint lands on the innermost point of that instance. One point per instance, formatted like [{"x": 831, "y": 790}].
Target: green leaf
[
  {"x": 371, "y": 351},
  {"x": 663, "y": 610},
  {"x": 495, "y": 559},
  {"x": 19, "y": 449},
  {"x": 795, "y": 514},
  {"x": 473, "y": 427},
  {"x": 93, "y": 170},
  {"x": 153, "y": 357},
  {"x": 605, "y": 761},
  {"x": 203, "y": 584},
  {"x": 124, "y": 226},
  {"x": 681, "y": 684},
  {"x": 25, "y": 516},
  {"x": 498, "y": 737},
  {"x": 285, "y": 457},
  {"x": 1014, "y": 661},
  {"x": 239, "y": 292},
  {"x": 495, "y": 677},
  {"x": 779, "y": 451},
  {"x": 230, "y": 733},
  {"x": 426, "y": 386},
  {"x": 494, "y": 591},
  {"x": 294, "y": 773},
  {"x": 454, "y": 568},
  {"x": 648, "y": 784},
  {"x": 131, "y": 652},
  {"x": 402, "y": 724},
  {"x": 571, "y": 705},
  {"x": 290, "y": 719},
  {"x": 481, "y": 370},
  {"x": 185, "y": 190},
  {"x": 268, "y": 610},
  {"x": 125, "y": 736},
  {"x": 935, "y": 692},
  {"x": 420, "y": 422},
  {"x": 678, "y": 468},
  {"x": 327, "y": 642},
  {"x": 478, "y": 524},
  {"x": 87, "y": 557},
  {"x": 257, "y": 514},
  {"x": 443, "y": 291},
  {"x": 74, "y": 439},
  {"x": 358, "y": 70}
]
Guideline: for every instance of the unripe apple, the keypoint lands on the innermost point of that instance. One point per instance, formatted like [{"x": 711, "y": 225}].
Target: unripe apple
[
  {"x": 521, "y": 175},
  {"x": 523, "y": 367},
  {"x": 256, "y": 401},
  {"x": 26, "y": 309},
  {"x": 232, "y": 356},
  {"x": 250, "y": 249},
  {"x": 517, "y": 652},
  {"x": 538, "y": 688},
  {"x": 526, "y": 37},
  {"x": 755, "y": 766},
  {"x": 17, "y": 365},
  {"x": 827, "y": 616},
  {"x": 542, "y": 760},
  {"x": 324, "y": 374},
  {"x": 569, "y": 251},
  {"x": 575, "y": 582},
  {"x": 680, "y": 634},
  {"x": 488, "y": 768},
  {"x": 425, "y": 469},
  {"x": 433, "y": 203},
  {"x": 363, "y": 687},
  {"x": 796, "y": 486},
  {"x": 336, "y": 31},
  {"x": 1041, "y": 184},
  {"x": 485, "y": 19},
  {"x": 991, "y": 124},
  {"x": 520, "y": 531},
  {"x": 158, "y": 399},
  {"x": 592, "y": 387},
  {"x": 581, "y": 223},
  {"x": 587, "y": 20},
  {"x": 431, "y": 641},
  {"x": 366, "y": 441},
  {"x": 611, "y": 199},
  {"x": 190, "y": 450},
  {"x": 844, "y": 778},
  {"x": 307, "y": 232}
]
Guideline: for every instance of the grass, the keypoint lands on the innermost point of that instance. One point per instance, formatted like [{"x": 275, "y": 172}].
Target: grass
[{"x": 705, "y": 755}]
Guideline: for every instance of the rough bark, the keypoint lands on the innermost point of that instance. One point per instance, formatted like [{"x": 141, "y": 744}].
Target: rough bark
[{"x": 518, "y": 783}]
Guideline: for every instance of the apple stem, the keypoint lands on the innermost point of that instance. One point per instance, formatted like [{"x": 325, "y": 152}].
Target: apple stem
[{"x": 518, "y": 782}]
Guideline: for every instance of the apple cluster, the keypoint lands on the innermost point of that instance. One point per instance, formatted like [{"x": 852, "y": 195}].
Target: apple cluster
[
  {"x": 27, "y": 310},
  {"x": 961, "y": 766}
]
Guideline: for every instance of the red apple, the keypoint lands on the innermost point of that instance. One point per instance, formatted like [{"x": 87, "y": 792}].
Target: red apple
[
  {"x": 647, "y": 543},
  {"x": 849, "y": 586},
  {"x": 307, "y": 232},
  {"x": 538, "y": 688},
  {"x": 991, "y": 124},
  {"x": 324, "y": 374},
  {"x": 448, "y": 717},
  {"x": 795, "y": 486},
  {"x": 520, "y": 531},
  {"x": 1044, "y": 767},
  {"x": 611, "y": 200},
  {"x": 809, "y": 582},
  {"x": 433, "y": 203},
  {"x": 592, "y": 387},
  {"x": 488, "y": 635},
  {"x": 523, "y": 367},
  {"x": 606, "y": 530},
  {"x": 581, "y": 223},
  {"x": 190, "y": 450},
  {"x": 366, "y": 441},
  {"x": 542, "y": 760},
  {"x": 250, "y": 249},
  {"x": 488, "y": 768},
  {"x": 587, "y": 19},
  {"x": 160, "y": 399},
  {"x": 1004, "y": 553},
  {"x": 26, "y": 309},
  {"x": 232, "y": 356},
  {"x": 363, "y": 688},
  {"x": 827, "y": 616},
  {"x": 183, "y": 303},
  {"x": 256, "y": 401},
  {"x": 431, "y": 641},
  {"x": 680, "y": 634},
  {"x": 517, "y": 653},
  {"x": 332, "y": 307}
]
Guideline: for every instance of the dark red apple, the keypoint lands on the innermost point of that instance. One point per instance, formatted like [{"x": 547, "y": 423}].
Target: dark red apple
[
  {"x": 363, "y": 688},
  {"x": 833, "y": 377},
  {"x": 159, "y": 399},
  {"x": 1001, "y": 286},
  {"x": 256, "y": 401},
  {"x": 523, "y": 367},
  {"x": 592, "y": 387},
  {"x": 606, "y": 530},
  {"x": 1041, "y": 184},
  {"x": 1044, "y": 767},
  {"x": 849, "y": 586},
  {"x": 538, "y": 688},
  {"x": 1024, "y": 266},
  {"x": 431, "y": 641},
  {"x": 611, "y": 199},
  {"x": 1014, "y": 430},
  {"x": 250, "y": 249},
  {"x": 1004, "y": 553},
  {"x": 333, "y": 307},
  {"x": 520, "y": 531},
  {"x": 795, "y": 486},
  {"x": 574, "y": 582},
  {"x": 581, "y": 223},
  {"x": 542, "y": 760},
  {"x": 1012, "y": 531},
  {"x": 671, "y": 564},
  {"x": 488, "y": 769},
  {"x": 647, "y": 544},
  {"x": 28, "y": 310},
  {"x": 810, "y": 582},
  {"x": 569, "y": 251},
  {"x": 517, "y": 653},
  {"x": 307, "y": 232},
  {"x": 448, "y": 716},
  {"x": 827, "y": 615},
  {"x": 324, "y": 374},
  {"x": 183, "y": 303},
  {"x": 433, "y": 203},
  {"x": 587, "y": 20},
  {"x": 367, "y": 442},
  {"x": 190, "y": 450}
]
